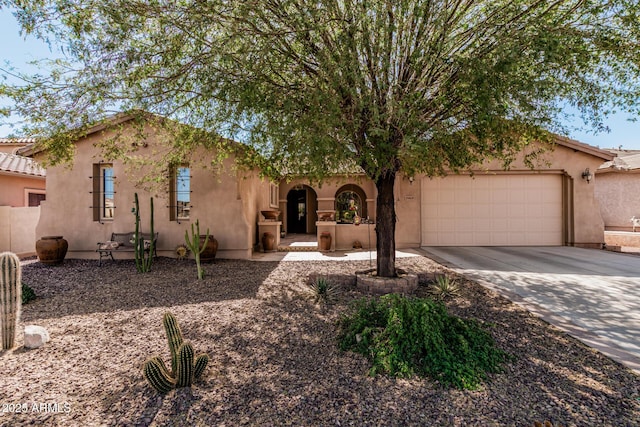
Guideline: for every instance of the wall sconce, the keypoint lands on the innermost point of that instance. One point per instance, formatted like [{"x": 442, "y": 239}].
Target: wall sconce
[
  {"x": 411, "y": 180},
  {"x": 587, "y": 175}
]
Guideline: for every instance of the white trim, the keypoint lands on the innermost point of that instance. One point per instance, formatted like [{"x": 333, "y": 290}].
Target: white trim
[{"x": 274, "y": 192}]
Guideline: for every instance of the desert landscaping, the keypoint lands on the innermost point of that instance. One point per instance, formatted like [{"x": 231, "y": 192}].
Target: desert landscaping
[{"x": 273, "y": 354}]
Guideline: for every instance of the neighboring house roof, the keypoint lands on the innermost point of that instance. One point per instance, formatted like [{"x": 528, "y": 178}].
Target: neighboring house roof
[
  {"x": 20, "y": 165},
  {"x": 17, "y": 141},
  {"x": 625, "y": 161},
  {"x": 13, "y": 145}
]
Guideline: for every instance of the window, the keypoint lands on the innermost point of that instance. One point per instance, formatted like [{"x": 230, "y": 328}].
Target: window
[
  {"x": 273, "y": 195},
  {"x": 181, "y": 193},
  {"x": 34, "y": 197},
  {"x": 103, "y": 192},
  {"x": 349, "y": 203}
]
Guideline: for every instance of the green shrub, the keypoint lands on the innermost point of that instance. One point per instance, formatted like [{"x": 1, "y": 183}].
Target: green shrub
[
  {"x": 27, "y": 294},
  {"x": 412, "y": 336}
]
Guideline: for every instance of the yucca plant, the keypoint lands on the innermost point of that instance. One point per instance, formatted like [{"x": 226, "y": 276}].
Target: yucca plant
[
  {"x": 445, "y": 287},
  {"x": 322, "y": 291}
]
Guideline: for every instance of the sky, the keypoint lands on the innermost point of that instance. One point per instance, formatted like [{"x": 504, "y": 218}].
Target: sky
[{"x": 19, "y": 51}]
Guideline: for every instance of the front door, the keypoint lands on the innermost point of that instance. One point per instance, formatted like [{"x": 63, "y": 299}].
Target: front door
[{"x": 297, "y": 211}]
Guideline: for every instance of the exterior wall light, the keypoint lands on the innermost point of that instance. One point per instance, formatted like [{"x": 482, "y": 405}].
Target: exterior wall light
[
  {"x": 587, "y": 175},
  {"x": 411, "y": 180}
]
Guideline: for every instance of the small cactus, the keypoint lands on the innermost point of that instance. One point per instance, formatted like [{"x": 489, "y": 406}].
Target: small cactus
[
  {"x": 10, "y": 297},
  {"x": 158, "y": 376},
  {"x": 184, "y": 373},
  {"x": 143, "y": 256},
  {"x": 183, "y": 368},
  {"x": 174, "y": 337},
  {"x": 193, "y": 243}
]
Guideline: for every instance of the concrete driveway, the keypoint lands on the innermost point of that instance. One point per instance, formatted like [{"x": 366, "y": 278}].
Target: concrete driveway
[{"x": 593, "y": 295}]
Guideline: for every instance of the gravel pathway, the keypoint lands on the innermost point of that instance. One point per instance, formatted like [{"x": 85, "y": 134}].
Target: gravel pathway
[{"x": 274, "y": 361}]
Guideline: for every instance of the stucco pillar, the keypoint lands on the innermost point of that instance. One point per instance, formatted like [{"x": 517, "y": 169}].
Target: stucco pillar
[
  {"x": 272, "y": 227},
  {"x": 328, "y": 227}
]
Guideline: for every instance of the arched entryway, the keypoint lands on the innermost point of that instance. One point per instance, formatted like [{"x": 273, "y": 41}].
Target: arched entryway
[{"x": 302, "y": 203}]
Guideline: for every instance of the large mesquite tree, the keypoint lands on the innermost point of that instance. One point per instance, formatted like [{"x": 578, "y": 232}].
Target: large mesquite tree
[{"x": 389, "y": 86}]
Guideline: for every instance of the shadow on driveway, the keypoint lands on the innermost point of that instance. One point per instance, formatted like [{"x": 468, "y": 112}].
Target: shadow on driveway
[{"x": 592, "y": 294}]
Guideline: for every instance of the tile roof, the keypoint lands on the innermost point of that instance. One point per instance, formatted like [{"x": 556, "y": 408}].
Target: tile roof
[
  {"x": 625, "y": 160},
  {"x": 17, "y": 141},
  {"x": 12, "y": 163}
]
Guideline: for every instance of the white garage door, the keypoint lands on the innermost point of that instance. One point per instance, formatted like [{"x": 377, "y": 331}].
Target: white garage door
[{"x": 492, "y": 210}]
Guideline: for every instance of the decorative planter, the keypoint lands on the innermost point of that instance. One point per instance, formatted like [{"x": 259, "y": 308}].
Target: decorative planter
[
  {"x": 326, "y": 215},
  {"x": 405, "y": 283},
  {"x": 51, "y": 250},
  {"x": 268, "y": 242},
  {"x": 270, "y": 215},
  {"x": 210, "y": 251},
  {"x": 325, "y": 241}
]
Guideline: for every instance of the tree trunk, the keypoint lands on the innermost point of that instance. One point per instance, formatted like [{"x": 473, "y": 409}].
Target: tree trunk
[{"x": 386, "y": 226}]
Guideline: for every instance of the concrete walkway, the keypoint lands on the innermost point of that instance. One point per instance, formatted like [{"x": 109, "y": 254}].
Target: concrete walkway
[
  {"x": 352, "y": 255},
  {"x": 594, "y": 295}
]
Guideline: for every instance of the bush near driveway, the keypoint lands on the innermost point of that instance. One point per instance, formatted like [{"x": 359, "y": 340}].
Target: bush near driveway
[{"x": 406, "y": 336}]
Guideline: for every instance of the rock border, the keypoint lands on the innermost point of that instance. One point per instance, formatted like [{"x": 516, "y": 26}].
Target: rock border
[{"x": 404, "y": 283}]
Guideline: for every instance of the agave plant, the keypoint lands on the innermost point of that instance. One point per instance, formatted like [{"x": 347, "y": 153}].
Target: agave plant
[
  {"x": 445, "y": 287},
  {"x": 182, "y": 251}
]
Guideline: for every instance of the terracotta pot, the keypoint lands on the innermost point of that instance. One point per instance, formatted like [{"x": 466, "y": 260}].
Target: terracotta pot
[
  {"x": 325, "y": 241},
  {"x": 271, "y": 215},
  {"x": 268, "y": 242},
  {"x": 210, "y": 251},
  {"x": 51, "y": 250}
]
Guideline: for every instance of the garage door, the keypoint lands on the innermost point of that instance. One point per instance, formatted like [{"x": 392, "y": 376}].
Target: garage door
[{"x": 492, "y": 210}]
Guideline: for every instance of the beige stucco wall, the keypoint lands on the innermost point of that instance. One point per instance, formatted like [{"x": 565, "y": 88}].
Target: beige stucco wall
[
  {"x": 228, "y": 202},
  {"x": 618, "y": 194},
  {"x": 14, "y": 188},
  {"x": 17, "y": 229},
  {"x": 583, "y": 224},
  {"x": 223, "y": 200}
]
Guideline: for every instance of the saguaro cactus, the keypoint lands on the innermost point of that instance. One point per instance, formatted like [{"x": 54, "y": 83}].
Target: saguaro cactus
[
  {"x": 193, "y": 243},
  {"x": 184, "y": 369},
  {"x": 10, "y": 297}
]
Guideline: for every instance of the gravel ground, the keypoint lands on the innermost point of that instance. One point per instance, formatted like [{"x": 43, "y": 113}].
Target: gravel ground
[{"x": 274, "y": 361}]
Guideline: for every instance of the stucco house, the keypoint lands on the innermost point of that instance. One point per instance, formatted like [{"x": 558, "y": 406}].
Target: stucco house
[
  {"x": 618, "y": 189},
  {"x": 553, "y": 204},
  {"x": 22, "y": 189},
  {"x": 22, "y": 180},
  {"x": 618, "y": 193}
]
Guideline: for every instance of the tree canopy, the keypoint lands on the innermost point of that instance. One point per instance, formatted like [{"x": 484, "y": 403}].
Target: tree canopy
[{"x": 418, "y": 86}]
